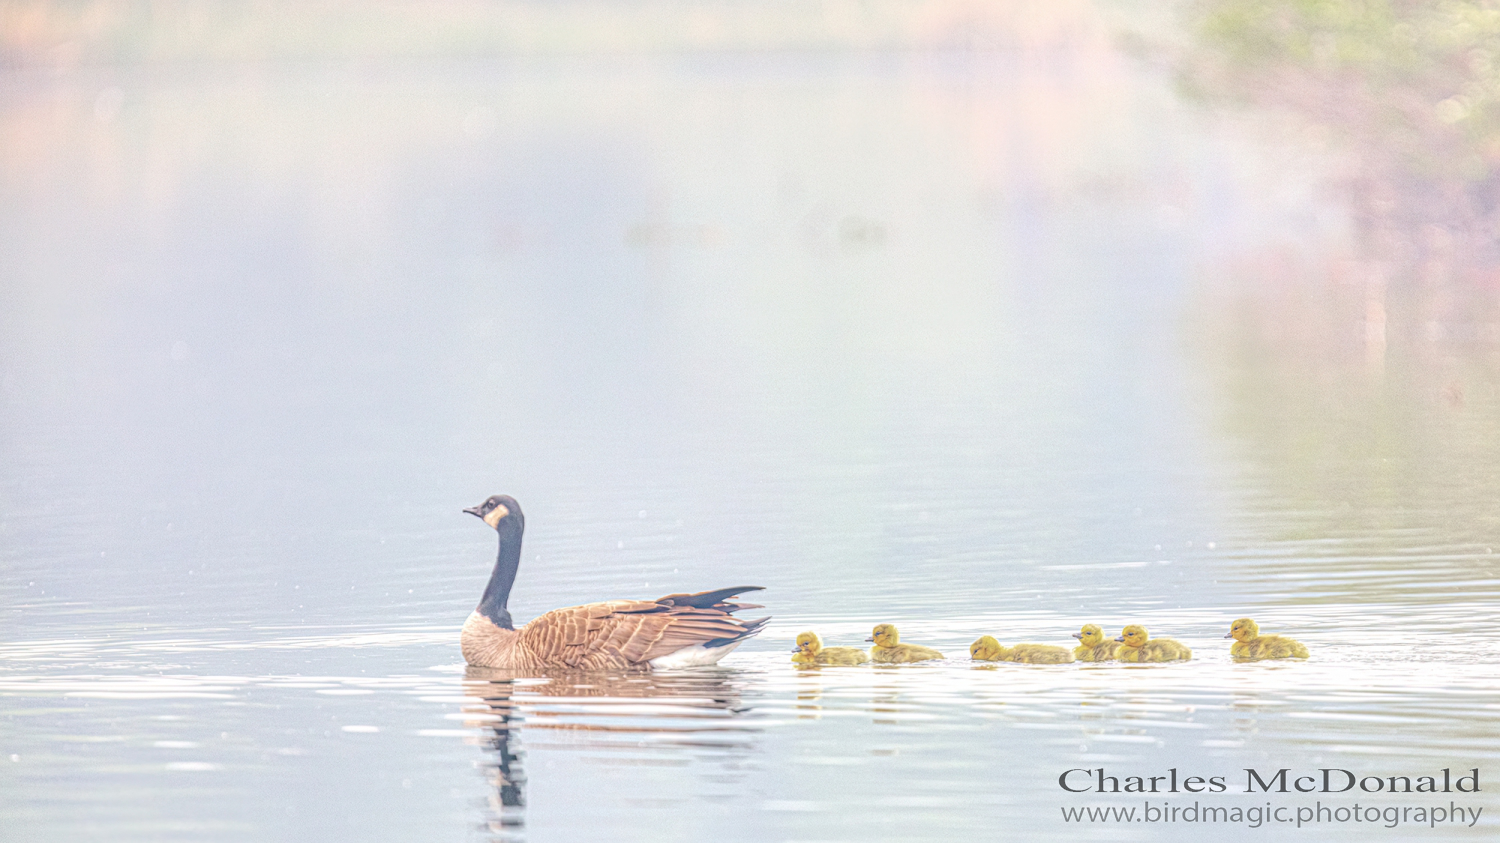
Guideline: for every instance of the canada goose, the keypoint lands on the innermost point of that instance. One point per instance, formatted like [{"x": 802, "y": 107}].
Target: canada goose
[
  {"x": 679, "y": 630},
  {"x": 1093, "y": 646},
  {"x": 1141, "y": 647},
  {"x": 987, "y": 649},
  {"x": 1250, "y": 644},
  {"x": 888, "y": 648},
  {"x": 810, "y": 650}
]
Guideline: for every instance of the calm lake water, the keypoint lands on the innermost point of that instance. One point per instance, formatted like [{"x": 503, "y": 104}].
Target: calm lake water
[{"x": 992, "y": 342}]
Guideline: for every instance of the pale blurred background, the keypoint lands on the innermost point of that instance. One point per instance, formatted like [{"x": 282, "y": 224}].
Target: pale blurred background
[{"x": 972, "y": 316}]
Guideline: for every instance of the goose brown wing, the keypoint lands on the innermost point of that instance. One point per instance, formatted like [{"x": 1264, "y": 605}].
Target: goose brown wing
[
  {"x": 713, "y": 599},
  {"x": 630, "y": 631}
]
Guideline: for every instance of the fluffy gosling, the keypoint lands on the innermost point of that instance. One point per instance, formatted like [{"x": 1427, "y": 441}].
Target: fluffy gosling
[
  {"x": 1250, "y": 644},
  {"x": 987, "y": 649},
  {"x": 1141, "y": 647},
  {"x": 888, "y": 648},
  {"x": 1093, "y": 646},
  {"x": 810, "y": 650}
]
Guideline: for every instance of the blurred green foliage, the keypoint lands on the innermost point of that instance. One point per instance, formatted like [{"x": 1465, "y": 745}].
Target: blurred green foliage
[
  {"x": 1364, "y": 386},
  {"x": 1413, "y": 87}
]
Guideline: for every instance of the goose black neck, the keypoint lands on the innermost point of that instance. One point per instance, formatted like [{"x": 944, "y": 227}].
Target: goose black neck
[{"x": 507, "y": 562}]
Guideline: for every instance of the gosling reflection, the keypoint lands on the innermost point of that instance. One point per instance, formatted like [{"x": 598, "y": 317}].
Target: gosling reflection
[
  {"x": 809, "y": 694},
  {"x": 639, "y": 715}
]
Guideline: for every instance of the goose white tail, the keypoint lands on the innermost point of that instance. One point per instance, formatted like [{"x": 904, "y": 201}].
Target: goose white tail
[{"x": 696, "y": 655}]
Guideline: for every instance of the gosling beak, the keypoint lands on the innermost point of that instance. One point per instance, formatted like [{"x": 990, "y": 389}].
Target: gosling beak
[
  {"x": 1230, "y": 635},
  {"x": 1121, "y": 638},
  {"x": 474, "y": 510},
  {"x": 796, "y": 649},
  {"x": 870, "y": 639},
  {"x": 1078, "y": 635}
]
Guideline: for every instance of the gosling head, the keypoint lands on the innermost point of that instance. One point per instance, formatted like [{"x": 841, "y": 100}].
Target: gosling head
[
  {"x": 1090, "y": 636},
  {"x": 499, "y": 511},
  {"x": 1133, "y": 635},
  {"x": 986, "y": 649},
  {"x": 1243, "y": 629},
  {"x": 885, "y": 635},
  {"x": 808, "y": 644}
]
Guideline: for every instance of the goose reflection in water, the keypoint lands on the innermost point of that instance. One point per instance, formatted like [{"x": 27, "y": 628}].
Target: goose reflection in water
[{"x": 679, "y": 713}]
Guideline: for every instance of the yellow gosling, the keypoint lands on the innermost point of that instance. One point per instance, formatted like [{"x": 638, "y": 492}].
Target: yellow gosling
[
  {"x": 987, "y": 649},
  {"x": 1093, "y": 646},
  {"x": 1141, "y": 647},
  {"x": 888, "y": 648},
  {"x": 810, "y": 650},
  {"x": 1250, "y": 644}
]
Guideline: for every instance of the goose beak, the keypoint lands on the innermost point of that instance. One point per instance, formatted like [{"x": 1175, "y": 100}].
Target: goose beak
[
  {"x": 474, "y": 510},
  {"x": 796, "y": 649},
  {"x": 871, "y": 638},
  {"x": 1121, "y": 638},
  {"x": 1078, "y": 635},
  {"x": 1230, "y": 635}
]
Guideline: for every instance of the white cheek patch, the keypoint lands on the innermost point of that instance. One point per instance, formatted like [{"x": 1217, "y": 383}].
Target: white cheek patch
[{"x": 495, "y": 515}]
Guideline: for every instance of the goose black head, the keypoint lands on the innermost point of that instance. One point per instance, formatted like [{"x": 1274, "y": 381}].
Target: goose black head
[{"x": 497, "y": 510}]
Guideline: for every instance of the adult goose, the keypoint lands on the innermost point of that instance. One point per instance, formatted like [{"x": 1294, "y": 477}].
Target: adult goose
[{"x": 679, "y": 630}]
